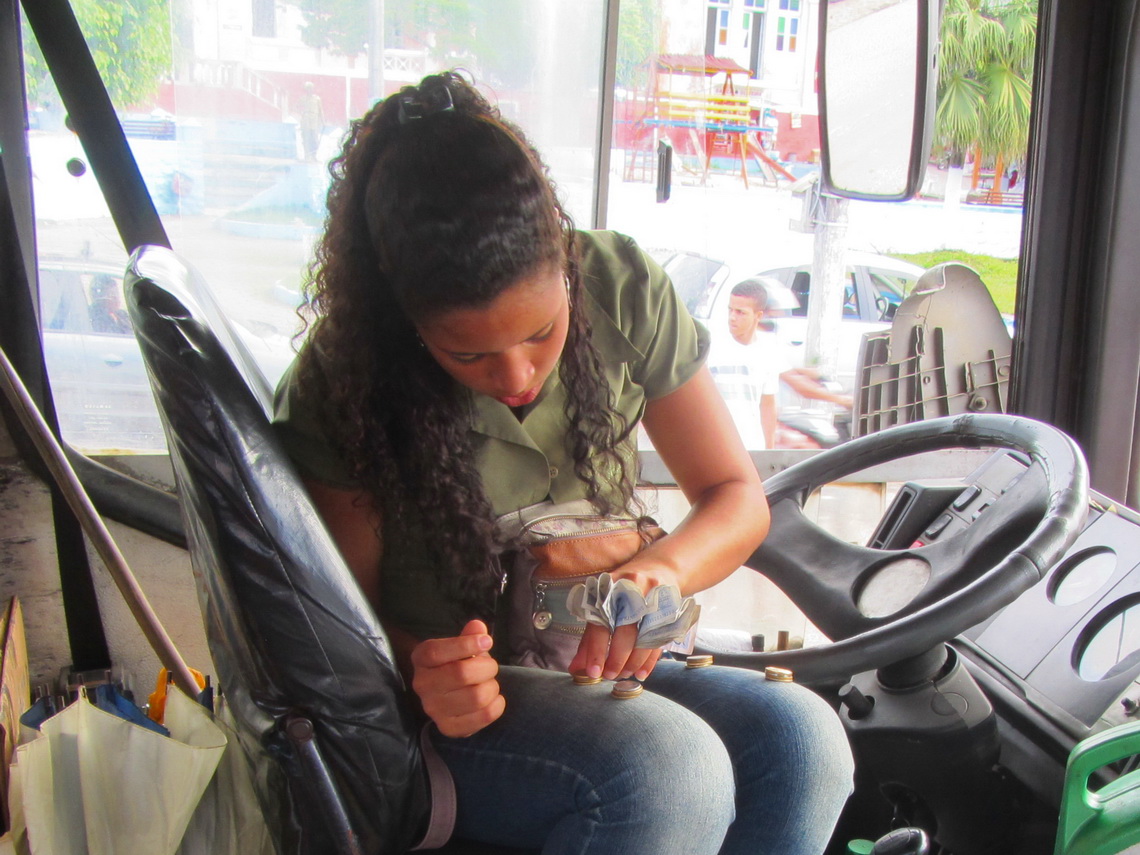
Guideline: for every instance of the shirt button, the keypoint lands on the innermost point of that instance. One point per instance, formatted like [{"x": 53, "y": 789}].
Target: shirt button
[{"x": 553, "y": 472}]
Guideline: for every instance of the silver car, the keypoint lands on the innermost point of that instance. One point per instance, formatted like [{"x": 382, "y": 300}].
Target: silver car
[{"x": 99, "y": 384}]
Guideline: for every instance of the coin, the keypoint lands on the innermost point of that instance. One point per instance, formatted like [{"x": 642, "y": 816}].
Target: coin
[
  {"x": 586, "y": 680},
  {"x": 700, "y": 660},
  {"x": 626, "y": 689},
  {"x": 778, "y": 675}
]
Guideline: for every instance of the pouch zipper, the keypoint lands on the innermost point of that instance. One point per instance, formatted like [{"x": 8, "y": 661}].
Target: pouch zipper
[
  {"x": 619, "y": 524},
  {"x": 541, "y": 618}
]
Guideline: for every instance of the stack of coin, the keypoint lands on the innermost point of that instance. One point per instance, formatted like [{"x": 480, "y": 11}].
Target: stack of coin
[
  {"x": 778, "y": 675},
  {"x": 627, "y": 689}
]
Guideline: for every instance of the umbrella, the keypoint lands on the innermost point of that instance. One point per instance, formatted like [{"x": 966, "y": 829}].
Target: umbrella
[
  {"x": 91, "y": 780},
  {"x": 228, "y": 819}
]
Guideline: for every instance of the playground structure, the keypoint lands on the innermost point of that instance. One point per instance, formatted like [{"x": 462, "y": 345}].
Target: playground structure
[{"x": 692, "y": 102}]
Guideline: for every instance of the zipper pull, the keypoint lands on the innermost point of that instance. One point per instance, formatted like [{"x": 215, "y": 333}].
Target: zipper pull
[{"x": 541, "y": 618}]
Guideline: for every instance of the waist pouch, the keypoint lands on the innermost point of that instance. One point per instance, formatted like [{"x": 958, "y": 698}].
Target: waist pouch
[{"x": 556, "y": 546}]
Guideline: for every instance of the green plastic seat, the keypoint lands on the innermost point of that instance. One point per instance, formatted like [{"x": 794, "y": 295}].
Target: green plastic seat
[{"x": 1107, "y": 821}]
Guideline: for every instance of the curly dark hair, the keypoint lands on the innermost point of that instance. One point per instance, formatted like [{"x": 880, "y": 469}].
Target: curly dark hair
[{"x": 437, "y": 203}]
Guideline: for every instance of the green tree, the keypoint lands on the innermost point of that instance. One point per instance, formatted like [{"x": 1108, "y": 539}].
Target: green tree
[
  {"x": 130, "y": 42},
  {"x": 639, "y": 41},
  {"x": 340, "y": 26},
  {"x": 984, "y": 80}
]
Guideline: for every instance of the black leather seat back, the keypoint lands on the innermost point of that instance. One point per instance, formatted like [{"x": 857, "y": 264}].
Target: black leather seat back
[{"x": 288, "y": 627}]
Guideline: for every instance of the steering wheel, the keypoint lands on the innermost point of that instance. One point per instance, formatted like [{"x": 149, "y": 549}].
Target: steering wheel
[{"x": 956, "y": 582}]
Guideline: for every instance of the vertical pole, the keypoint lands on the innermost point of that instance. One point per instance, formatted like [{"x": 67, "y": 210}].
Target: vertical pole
[
  {"x": 828, "y": 282},
  {"x": 606, "y": 114},
  {"x": 376, "y": 50}
]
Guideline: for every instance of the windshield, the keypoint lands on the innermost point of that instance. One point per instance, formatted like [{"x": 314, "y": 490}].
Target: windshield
[{"x": 234, "y": 112}]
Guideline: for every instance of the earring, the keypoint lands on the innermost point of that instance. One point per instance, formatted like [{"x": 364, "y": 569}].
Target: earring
[{"x": 569, "y": 299}]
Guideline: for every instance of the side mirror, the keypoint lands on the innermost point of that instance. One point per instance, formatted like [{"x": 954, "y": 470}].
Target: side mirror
[{"x": 876, "y": 96}]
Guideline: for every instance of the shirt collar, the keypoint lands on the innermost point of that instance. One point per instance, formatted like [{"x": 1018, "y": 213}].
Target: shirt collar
[{"x": 495, "y": 419}]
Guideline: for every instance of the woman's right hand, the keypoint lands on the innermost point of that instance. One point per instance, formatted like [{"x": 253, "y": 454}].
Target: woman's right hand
[{"x": 455, "y": 681}]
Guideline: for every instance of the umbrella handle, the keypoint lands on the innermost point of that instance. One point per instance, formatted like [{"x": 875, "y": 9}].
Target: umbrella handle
[{"x": 81, "y": 505}]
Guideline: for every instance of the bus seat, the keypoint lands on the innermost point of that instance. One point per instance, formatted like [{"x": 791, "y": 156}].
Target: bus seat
[
  {"x": 291, "y": 635},
  {"x": 1103, "y": 819},
  {"x": 946, "y": 331}
]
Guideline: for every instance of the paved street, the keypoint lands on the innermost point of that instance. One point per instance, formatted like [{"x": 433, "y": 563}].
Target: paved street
[{"x": 750, "y": 228}]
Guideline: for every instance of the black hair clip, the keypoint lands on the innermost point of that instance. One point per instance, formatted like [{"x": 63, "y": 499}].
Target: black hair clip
[{"x": 414, "y": 106}]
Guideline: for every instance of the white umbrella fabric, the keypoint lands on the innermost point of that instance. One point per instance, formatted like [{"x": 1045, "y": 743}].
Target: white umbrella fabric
[{"x": 90, "y": 783}]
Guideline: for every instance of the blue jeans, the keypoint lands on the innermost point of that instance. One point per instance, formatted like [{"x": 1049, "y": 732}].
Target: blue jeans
[{"x": 705, "y": 760}]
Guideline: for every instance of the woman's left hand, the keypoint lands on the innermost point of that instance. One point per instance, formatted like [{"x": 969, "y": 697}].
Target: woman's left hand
[
  {"x": 616, "y": 656},
  {"x": 613, "y": 657}
]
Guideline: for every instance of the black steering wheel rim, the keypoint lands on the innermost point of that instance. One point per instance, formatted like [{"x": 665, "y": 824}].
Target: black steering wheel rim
[{"x": 913, "y": 633}]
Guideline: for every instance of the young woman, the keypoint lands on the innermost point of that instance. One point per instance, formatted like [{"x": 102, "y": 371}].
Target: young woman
[{"x": 473, "y": 354}]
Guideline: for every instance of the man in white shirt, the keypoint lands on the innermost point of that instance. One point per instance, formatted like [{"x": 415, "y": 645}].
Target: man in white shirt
[
  {"x": 747, "y": 366},
  {"x": 750, "y": 366}
]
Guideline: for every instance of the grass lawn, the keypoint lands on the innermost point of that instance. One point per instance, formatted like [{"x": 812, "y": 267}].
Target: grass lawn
[{"x": 999, "y": 274}]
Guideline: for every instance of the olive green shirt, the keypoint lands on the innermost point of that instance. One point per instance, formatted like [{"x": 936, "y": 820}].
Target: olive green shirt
[{"x": 649, "y": 346}]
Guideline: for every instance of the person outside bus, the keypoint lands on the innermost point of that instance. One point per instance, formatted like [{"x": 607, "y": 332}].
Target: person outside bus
[
  {"x": 106, "y": 311},
  {"x": 747, "y": 367},
  {"x": 312, "y": 121},
  {"x": 750, "y": 366},
  {"x": 472, "y": 353}
]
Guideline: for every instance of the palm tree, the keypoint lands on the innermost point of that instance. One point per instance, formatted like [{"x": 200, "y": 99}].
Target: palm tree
[{"x": 984, "y": 89}]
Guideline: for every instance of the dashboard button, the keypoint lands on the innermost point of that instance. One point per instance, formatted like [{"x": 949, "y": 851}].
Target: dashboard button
[
  {"x": 937, "y": 527},
  {"x": 966, "y": 496}
]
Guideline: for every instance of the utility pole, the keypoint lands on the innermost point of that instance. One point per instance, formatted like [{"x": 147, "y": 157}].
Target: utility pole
[
  {"x": 828, "y": 283},
  {"x": 376, "y": 50}
]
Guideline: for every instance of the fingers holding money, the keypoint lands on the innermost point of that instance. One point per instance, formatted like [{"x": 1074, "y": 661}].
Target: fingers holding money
[
  {"x": 613, "y": 657},
  {"x": 626, "y": 659},
  {"x": 662, "y": 616}
]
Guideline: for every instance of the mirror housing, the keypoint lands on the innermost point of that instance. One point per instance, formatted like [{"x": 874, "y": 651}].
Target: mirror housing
[{"x": 876, "y": 107}]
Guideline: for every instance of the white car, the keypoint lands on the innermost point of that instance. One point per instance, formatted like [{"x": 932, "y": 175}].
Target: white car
[
  {"x": 876, "y": 285},
  {"x": 102, "y": 395}
]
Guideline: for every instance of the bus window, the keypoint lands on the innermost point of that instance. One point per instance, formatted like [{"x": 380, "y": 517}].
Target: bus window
[
  {"x": 233, "y": 131},
  {"x": 233, "y": 118},
  {"x": 739, "y": 105},
  {"x": 888, "y": 290}
]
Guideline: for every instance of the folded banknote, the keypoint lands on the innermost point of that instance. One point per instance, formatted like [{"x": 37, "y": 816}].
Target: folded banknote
[{"x": 662, "y": 616}]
